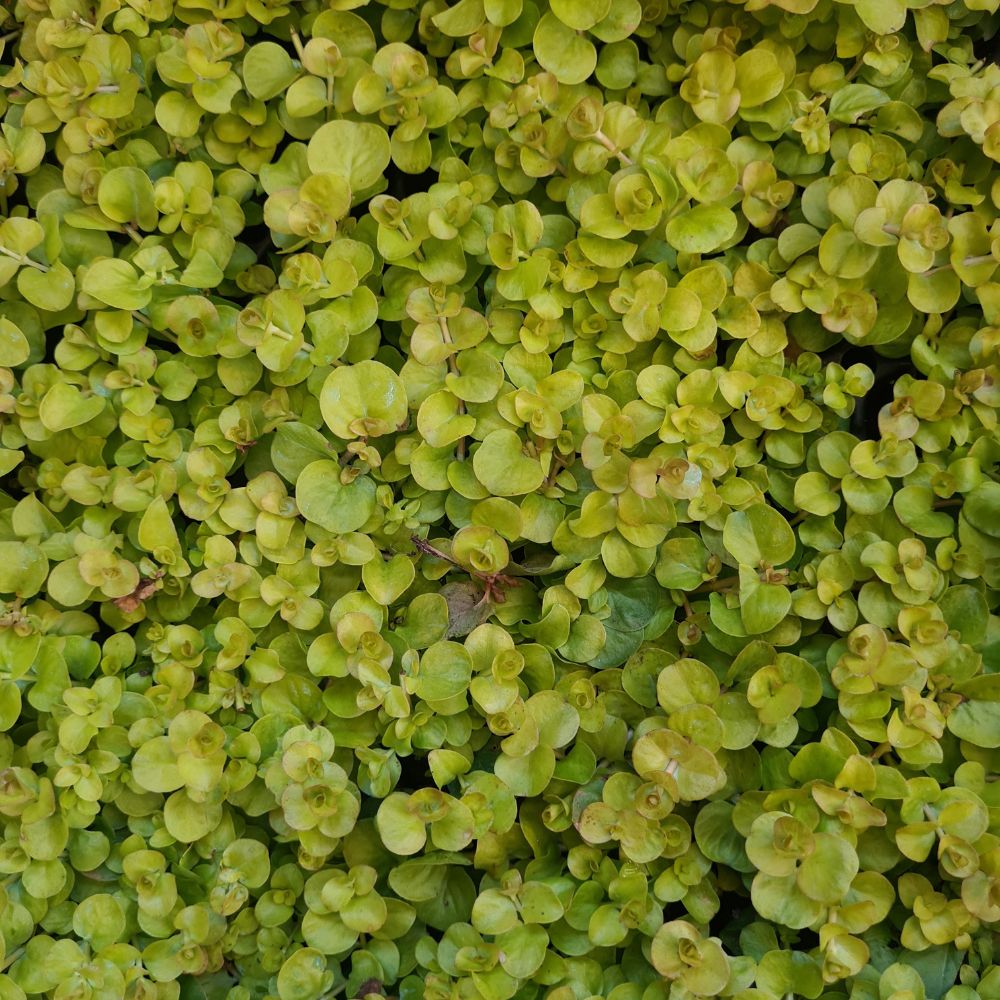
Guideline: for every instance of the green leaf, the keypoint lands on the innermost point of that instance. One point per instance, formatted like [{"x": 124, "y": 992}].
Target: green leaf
[
  {"x": 65, "y": 406},
  {"x": 358, "y": 151},
  {"x": 503, "y": 468},
  {"x": 125, "y": 195},
  {"x": 763, "y": 606},
  {"x": 681, "y": 563},
  {"x": 387, "y": 580},
  {"x": 717, "y": 837},
  {"x": 324, "y": 500},
  {"x": 758, "y": 535},
  {"x": 116, "y": 283},
  {"x": 402, "y": 832},
  {"x": 363, "y": 400},
  {"x": 977, "y": 717},
  {"x": 826, "y": 874},
  {"x": 937, "y": 966},
  {"x": 304, "y": 976},
  {"x": 702, "y": 229},
  {"x": 527, "y": 776},
  {"x": 267, "y": 70},
  {"x": 580, "y": 15},
  {"x": 14, "y": 347},
  {"x": 759, "y": 77},
  {"x": 561, "y": 50},
  {"x": 982, "y": 508},
  {"x": 884, "y": 17},
  {"x": 965, "y": 610},
  {"x": 856, "y": 99},
  {"x": 51, "y": 290},
  {"x": 445, "y": 671}
]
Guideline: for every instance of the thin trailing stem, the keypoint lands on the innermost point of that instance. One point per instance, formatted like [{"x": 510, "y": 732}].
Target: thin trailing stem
[
  {"x": 22, "y": 258},
  {"x": 609, "y": 145},
  {"x": 493, "y": 583},
  {"x": 972, "y": 261},
  {"x": 715, "y": 586}
]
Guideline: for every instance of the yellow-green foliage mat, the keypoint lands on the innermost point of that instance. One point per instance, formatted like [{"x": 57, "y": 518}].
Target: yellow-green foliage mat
[{"x": 499, "y": 501}]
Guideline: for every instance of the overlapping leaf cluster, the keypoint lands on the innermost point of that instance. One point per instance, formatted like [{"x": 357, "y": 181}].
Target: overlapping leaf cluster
[{"x": 500, "y": 499}]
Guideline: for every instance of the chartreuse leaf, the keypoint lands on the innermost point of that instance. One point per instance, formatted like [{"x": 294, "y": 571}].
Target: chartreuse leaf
[
  {"x": 363, "y": 400},
  {"x": 23, "y": 568},
  {"x": 267, "y": 70},
  {"x": 357, "y": 151},
  {"x": 702, "y": 229},
  {"x": 503, "y": 468},
  {"x": 563, "y": 51},
  {"x": 499, "y": 500},
  {"x": 125, "y": 195},
  {"x": 977, "y": 716},
  {"x": 324, "y": 500},
  {"x": 14, "y": 347},
  {"x": 757, "y": 535}
]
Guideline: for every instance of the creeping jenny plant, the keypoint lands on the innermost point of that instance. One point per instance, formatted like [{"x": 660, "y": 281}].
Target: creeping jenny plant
[{"x": 500, "y": 499}]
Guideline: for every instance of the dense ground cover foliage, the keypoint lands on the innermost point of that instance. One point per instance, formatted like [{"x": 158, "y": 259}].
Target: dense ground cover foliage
[{"x": 500, "y": 499}]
